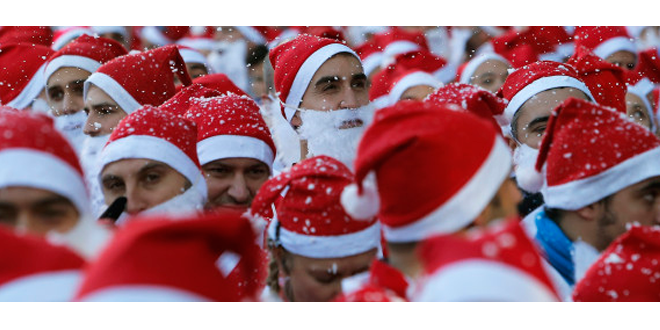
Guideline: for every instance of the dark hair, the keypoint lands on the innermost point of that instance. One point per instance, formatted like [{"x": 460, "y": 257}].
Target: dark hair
[
  {"x": 256, "y": 55},
  {"x": 556, "y": 214}
]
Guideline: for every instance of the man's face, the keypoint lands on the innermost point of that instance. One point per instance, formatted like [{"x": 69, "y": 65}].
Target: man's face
[
  {"x": 320, "y": 279},
  {"x": 195, "y": 70},
  {"x": 36, "y": 211},
  {"x": 103, "y": 113},
  {"x": 636, "y": 110},
  {"x": 257, "y": 82},
  {"x": 532, "y": 118},
  {"x": 144, "y": 182},
  {"x": 64, "y": 90},
  {"x": 623, "y": 59},
  {"x": 233, "y": 182},
  {"x": 639, "y": 203},
  {"x": 419, "y": 92},
  {"x": 490, "y": 75}
]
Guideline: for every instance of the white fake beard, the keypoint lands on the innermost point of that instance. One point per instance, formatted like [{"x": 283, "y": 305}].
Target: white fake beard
[
  {"x": 40, "y": 106},
  {"x": 89, "y": 160},
  {"x": 324, "y": 137},
  {"x": 524, "y": 160},
  {"x": 286, "y": 139},
  {"x": 71, "y": 126},
  {"x": 584, "y": 255},
  {"x": 87, "y": 238},
  {"x": 229, "y": 58}
]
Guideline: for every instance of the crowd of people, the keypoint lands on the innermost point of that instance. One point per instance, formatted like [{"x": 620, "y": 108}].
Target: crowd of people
[{"x": 315, "y": 163}]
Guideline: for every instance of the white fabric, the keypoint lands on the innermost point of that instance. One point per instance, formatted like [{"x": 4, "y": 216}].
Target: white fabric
[
  {"x": 613, "y": 45},
  {"x": 193, "y": 56},
  {"x": 372, "y": 62},
  {"x": 474, "y": 64},
  {"x": 31, "y": 90},
  {"x": 116, "y": 91},
  {"x": 23, "y": 167},
  {"x": 483, "y": 280},
  {"x": 584, "y": 255},
  {"x": 580, "y": 193},
  {"x": 198, "y": 43},
  {"x": 71, "y": 61},
  {"x": 154, "y": 36},
  {"x": 399, "y": 47},
  {"x": 446, "y": 74},
  {"x": 57, "y": 286},
  {"x": 142, "y": 293},
  {"x": 251, "y": 34},
  {"x": 418, "y": 78},
  {"x": 68, "y": 36},
  {"x": 234, "y": 146},
  {"x": 466, "y": 204}
]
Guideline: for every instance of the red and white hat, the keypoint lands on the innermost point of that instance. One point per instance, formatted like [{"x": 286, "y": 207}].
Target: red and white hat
[
  {"x": 611, "y": 153},
  {"x": 181, "y": 101},
  {"x": 22, "y": 73},
  {"x": 40, "y": 35},
  {"x": 144, "y": 78},
  {"x": 420, "y": 148},
  {"x": 231, "y": 126},
  {"x": 259, "y": 35},
  {"x": 628, "y": 270},
  {"x": 159, "y": 135},
  {"x": 604, "y": 40},
  {"x": 466, "y": 71},
  {"x": 499, "y": 263},
  {"x": 34, "y": 154},
  {"x": 310, "y": 220},
  {"x": 295, "y": 62},
  {"x": 371, "y": 56},
  {"x": 85, "y": 52},
  {"x": 388, "y": 86},
  {"x": 426, "y": 61},
  {"x": 220, "y": 82},
  {"x": 64, "y": 36},
  {"x": 191, "y": 55},
  {"x": 172, "y": 259},
  {"x": 163, "y": 35},
  {"x": 33, "y": 270},
  {"x": 529, "y": 80},
  {"x": 397, "y": 41}
]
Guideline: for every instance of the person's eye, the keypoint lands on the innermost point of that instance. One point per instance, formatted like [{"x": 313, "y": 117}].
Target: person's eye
[
  {"x": 78, "y": 90},
  {"x": 325, "y": 279},
  {"x": 330, "y": 88},
  {"x": 360, "y": 84},
  {"x": 630, "y": 66},
  {"x": 152, "y": 177},
  {"x": 103, "y": 111},
  {"x": 56, "y": 94},
  {"x": 487, "y": 81},
  {"x": 114, "y": 185},
  {"x": 257, "y": 172},
  {"x": 86, "y": 111}
]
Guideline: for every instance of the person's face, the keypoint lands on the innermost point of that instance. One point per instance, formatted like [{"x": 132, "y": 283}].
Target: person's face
[
  {"x": 320, "y": 279},
  {"x": 638, "y": 203},
  {"x": 533, "y": 115},
  {"x": 36, "y": 211},
  {"x": 118, "y": 37},
  {"x": 196, "y": 70},
  {"x": 623, "y": 59},
  {"x": 504, "y": 204},
  {"x": 144, "y": 182},
  {"x": 233, "y": 182},
  {"x": 227, "y": 33},
  {"x": 419, "y": 92},
  {"x": 103, "y": 113},
  {"x": 490, "y": 75},
  {"x": 637, "y": 111},
  {"x": 257, "y": 82},
  {"x": 64, "y": 90}
]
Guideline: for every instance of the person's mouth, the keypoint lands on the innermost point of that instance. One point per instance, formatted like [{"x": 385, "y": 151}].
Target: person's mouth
[{"x": 352, "y": 124}]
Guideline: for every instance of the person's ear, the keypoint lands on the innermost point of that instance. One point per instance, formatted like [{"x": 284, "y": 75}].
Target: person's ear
[
  {"x": 511, "y": 142},
  {"x": 592, "y": 211},
  {"x": 280, "y": 255}
]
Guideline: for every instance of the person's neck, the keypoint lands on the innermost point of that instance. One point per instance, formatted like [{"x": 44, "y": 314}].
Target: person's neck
[
  {"x": 574, "y": 227},
  {"x": 405, "y": 259}
]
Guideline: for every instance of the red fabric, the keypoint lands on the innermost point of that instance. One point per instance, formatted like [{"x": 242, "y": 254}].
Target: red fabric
[
  {"x": 395, "y": 34},
  {"x": 591, "y": 37},
  {"x": 648, "y": 65},
  {"x": 326, "y": 32},
  {"x": 386, "y": 284},
  {"x": 526, "y": 75},
  {"x": 181, "y": 101},
  {"x": 219, "y": 82},
  {"x": 19, "y": 63},
  {"x": 40, "y": 35}
]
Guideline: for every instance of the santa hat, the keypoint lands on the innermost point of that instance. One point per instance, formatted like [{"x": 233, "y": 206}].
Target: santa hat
[
  {"x": 641, "y": 90},
  {"x": 40, "y": 35},
  {"x": 159, "y": 135},
  {"x": 326, "y": 32},
  {"x": 163, "y": 35},
  {"x": 34, "y": 154},
  {"x": 85, "y": 52},
  {"x": 63, "y": 36},
  {"x": 466, "y": 71},
  {"x": 604, "y": 40},
  {"x": 159, "y": 259},
  {"x": 309, "y": 219},
  {"x": 190, "y": 55},
  {"x": 371, "y": 57},
  {"x": 21, "y": 73},
  {"x": 442, "y": 196},
  {"x": 611, "y": 154},
  {"x": 33, "y": 270},
  {"x": 426, "y": 61},
  {"x": 399, "y": 41},
  {"x": 496, "y": 264},
  {"x": 260, "y": 35},
  {"x": 628, "y": 270},
  {"x": 180, "y": 102},
  {"x": 231, "y": 127},
  {"x": 111, "y": 29},
  {"x": 473, "y": 99},
  {"x": 524, "y": 83},
  {"x": 389, "y": 85},
  {"x": 144, "y": 78},
  {"x": 220, "y": 82},
  {"x": 648, "y": 66},
  {"x": 295, "y": 62}
]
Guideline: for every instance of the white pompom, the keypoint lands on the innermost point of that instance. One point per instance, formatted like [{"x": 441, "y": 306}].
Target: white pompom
[
  {"x": 529, "y": 179},
  {"x": 360, "y": 206}
]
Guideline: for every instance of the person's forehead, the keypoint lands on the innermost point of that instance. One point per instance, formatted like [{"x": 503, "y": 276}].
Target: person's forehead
[
  {"x": 67, "y": 74},
  {"x": 125, "y": 168},
  {"x": 640, "y": 185},
  {"x": 341, "y": 65},
  {"x": 491, "y": 65},
  {"x": 24, "y": 196},
  {"x": 237, "y": 162},
  {"x": 95, "y": 96}
]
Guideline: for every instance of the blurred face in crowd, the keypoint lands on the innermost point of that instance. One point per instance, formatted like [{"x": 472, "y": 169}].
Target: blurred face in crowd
[
  {"x": 36, "y": 211},
  {"x": 257, "y": 81},
  {"x": 503, "y": 205},
  {"x": 116, "y": 37},
  {"x": 530, "y": 121},
  {"x": 144, "y": 182},
  {"x": 233, "y": 182},
  {"x": 419, "y": 92},
  {"x": 103, "y": 113},
  {"x": 623, "y": 59},
  {"x": 64, "y": 90},
  {"x": 490, "y": 75},
  {"x": 637, "y": 111},
  {"x": 196, "y": 70}
]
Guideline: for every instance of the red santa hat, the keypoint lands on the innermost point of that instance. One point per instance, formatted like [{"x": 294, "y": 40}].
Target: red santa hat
[
  {"x": 326, "y": 32},
  {"x": 426, "y": 61},
  {"x": 429, "y": 140},
  {"x": 34, "y": 154},
  {"x": 40, "y": 35},
  {"x": 220, "y": 82},
  {"x": 295, "y": 62},
  {"x": 144, "y": 78},
  {"x": 389, "y": 85},
  {"x": 611, "y": 154},
  {"x": 163, "y": 35},
  {"x": 628, "y": 270},
  {"x": 33, "y": 270},
  {"x": 22, "y": 73},
  {"x": 160, "y": 259},
  {"x": 231, "y": 127},
  {"x": 466, "y": 71},
  {"x": 190, "y": 55},
  {"x": 85, "y": 52},
  {"x": 397, "y": 41},
  {"x": 604, "y": 40},
  {"x": 371, "y": 56},
  {"x": 64, "y": 36},
  {"x": 309, "y": 218},
  {"x": 181, "y": 101},
  {"x": 260, "y": 35},
  {"x": 496, "y": 264},
  {"x": 159, "y": 135},
  {"x": 524, "y": 83}
]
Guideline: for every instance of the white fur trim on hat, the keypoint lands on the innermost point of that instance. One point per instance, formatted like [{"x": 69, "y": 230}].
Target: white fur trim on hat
[
  {"x": 446, "y": 74},
  {"x": 142, "y": 293},
  {"x": 399, "y": 47},
  {"x": 154, "y": 36},
  {"x": 70, "y": 61},
  {"x": 418, "y": 78},
  {"x": 193, "y": 56},
  {"x": 31, "y": 90},
  {"x": 473, "y": 65},
  {"x": 198, "y": 43},
  {"x": 372, "y": 62},
  {"x": 483, "y": 280},
  {"x": 541, "y": 85},
  {"x": 57, "y": 286},
  {"x": 614, "y": 45},
  {"x": 68, "y": 36},
  {"x": 580, "y": 193},
  {"x": 251, "y": 34},
  {"x": 234, "y": 146},
  {"x": 111, "y": 87},
  {"x": 23, "y": 167},
  {"x": 110, "y": 29},
  {"x": 466, "y": 204}
]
